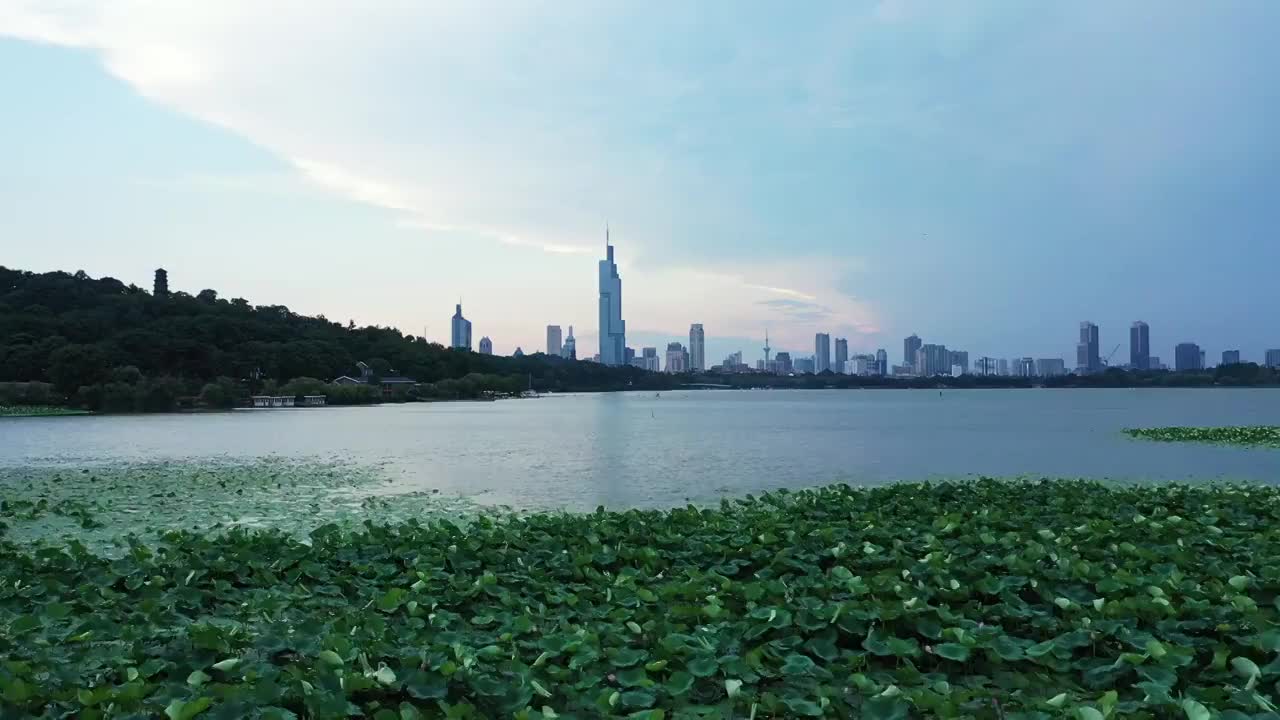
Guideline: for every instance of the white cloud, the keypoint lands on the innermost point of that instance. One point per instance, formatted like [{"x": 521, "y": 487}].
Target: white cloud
[{"x": 480, "y": 123}]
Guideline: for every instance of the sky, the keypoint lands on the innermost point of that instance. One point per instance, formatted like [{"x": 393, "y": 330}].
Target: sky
[{"x": 983, "y": 174}]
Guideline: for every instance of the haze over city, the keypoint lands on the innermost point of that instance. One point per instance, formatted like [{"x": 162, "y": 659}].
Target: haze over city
[{"x": 983, "y": 174}]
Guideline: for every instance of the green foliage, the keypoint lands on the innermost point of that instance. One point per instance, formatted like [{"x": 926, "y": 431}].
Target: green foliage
[
  {"x": 221, "y": 394},
  {"x": 977, "y": 600},
  {"x": 29, "y": 393},
  {"x": 74, "y": 331},
  {"x": 1256, "y": 436},
  {"x": 37, "y": 411}
]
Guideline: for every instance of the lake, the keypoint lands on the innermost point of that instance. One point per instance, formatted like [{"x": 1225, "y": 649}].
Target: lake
[{"x": 638, "y": 450}]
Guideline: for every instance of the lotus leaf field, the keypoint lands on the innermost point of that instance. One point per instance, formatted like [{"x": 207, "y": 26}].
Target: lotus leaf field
[
  {"x": 1254, "y": 436},
  {"x": 981, "y": 599}
]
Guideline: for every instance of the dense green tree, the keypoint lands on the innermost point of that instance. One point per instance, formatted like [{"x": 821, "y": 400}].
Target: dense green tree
[{"x": 72, "y": 330}]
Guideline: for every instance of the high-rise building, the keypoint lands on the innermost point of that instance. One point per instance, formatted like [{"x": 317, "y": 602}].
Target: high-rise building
[
  {"x": 569, "y": 351},
  {"x": 986, "y": 366},
  {"x": 803, "y": 365},
  {"x": 486, "y": 346},
  {"x": 1025, "y": 367},
  {"x": 1139, "y": 346},
  {"x": 1002, "y": 367},
  {"x": 821, "y": 353},
  {"x": 160, "y": 287},
  {"x": 461, "y": 327},
  {"x": 677, "y": 358},
  {"x": 697, "y": 348},
  {"x": 1155, "y": 364},
  {"x": 628, "y": 354},
  {"x": 553, "y": 339},
  {"x": 782, "y": 363},
  {"x": 933, "y": 360},
  {"x": 960, "y": 358},
  {"x": 1051, "y": 367},
  {"x": 1272, "y": 358},
  {"x": 1186, "y": 356},
  {"x": 882, "y": 362},
  {"x": 910, "y": 347},
  {"x": 1088, "y": 360},
  {"x": 842, "y": 354},
  {"x": 650, "y": 357},
  {"x": 613, "y": 330},
  {"x": 1202, "y": 363},
  {"x": 1230, "y": 357}
]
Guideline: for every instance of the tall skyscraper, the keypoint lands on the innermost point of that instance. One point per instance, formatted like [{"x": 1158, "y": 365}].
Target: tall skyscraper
[
  {"x": 613, "y": 330},
  {"x": 1273, "y": 358},
  {"x": 960, "y": 359},
  {"x": 1230, "y": 357},
  {"x": 1139, "y": 346},
  {"x": 650, "y": 357},
  {"x": 553, "y": 340},
  {"x": 628, "y": 355},
  {"x": 842, "y": 354},
  {"x": 486, "y": 346},
  {"x": 697, "y": 348},
  {"x": 1186, "y": 356},
  {"x": 1002, "y": 367},
  {"x": 677, "y": 358},
  {"x": 782, "y": 361},
  {"x": 569, "y": 350},
  {"x": 882, "y": 362},
  {"x": 1088, "y": 360},
  {"x": 933, "y": 360},
  {"x": 821, "y": 352},
  {"x": 461, "y": 336},
  {"x": 910, "y": 347}
]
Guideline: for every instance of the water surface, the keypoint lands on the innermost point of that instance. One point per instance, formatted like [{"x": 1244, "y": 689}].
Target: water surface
[{"x": 638, "y": 449}]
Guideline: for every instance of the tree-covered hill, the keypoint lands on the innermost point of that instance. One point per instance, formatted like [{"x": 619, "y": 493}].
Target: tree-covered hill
[{"x": 75, "y": 331}]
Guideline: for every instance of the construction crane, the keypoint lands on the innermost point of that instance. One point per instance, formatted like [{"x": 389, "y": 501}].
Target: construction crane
[{"x": 1106, "y": 362}]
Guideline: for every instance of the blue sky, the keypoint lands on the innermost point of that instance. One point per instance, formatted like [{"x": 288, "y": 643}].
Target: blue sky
[{"x": 983, "y": 174}]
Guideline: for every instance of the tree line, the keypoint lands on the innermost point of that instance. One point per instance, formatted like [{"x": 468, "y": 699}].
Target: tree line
[{"x": 105, "y": 345}]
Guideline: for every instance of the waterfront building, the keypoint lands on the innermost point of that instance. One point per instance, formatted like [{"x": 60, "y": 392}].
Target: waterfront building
[
  {"x": 842, "y": 354},
  {"x": 882, "y": 362},
  {"x": 1088, "y": 360},
  {"x": 961, "y": 358},
  {"x": 782, "y": 363},
  {"x": 910, "y": 347},
  {"x": 1139, "y": 346},
  {"x": 1154, "y": 363},
  {"x": 1230, "y": 357},
  {"x": 650, "y": 357},
  {"x": 1273, "y": 358},
  {"x": 553, "y": 340},
  {"x": 697, "y": 348},
  {"x": 613, "y": 330},
  {"x": 803, "y": 366},
  {"x": 677, "y": 358},
  {"x": 569, "y": 350},
  {"x": 933, "y": 360},
  {"x": 986, "y": 366},
  {"x": 460, "y": 338},
  {"x": 1051, "y": 367},
  {"x": 1026, "y": 367},
  {"x": 821, "y": 352},
  {"x": 1187, "y": 356},
  {"x": 1002, "y": 367}
]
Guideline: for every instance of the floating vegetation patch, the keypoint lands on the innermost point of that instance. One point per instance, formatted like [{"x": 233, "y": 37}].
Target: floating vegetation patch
[
  {"x": 38, "y": 411},
  {"x": 1251, "y": 436},
  {"x": 98, "y": 504},
  {"x": 984, "y": 599}
]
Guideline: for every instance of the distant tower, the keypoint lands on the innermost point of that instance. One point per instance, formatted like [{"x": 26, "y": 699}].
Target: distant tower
[
  {"x": 461, "y": 331},
  {"x": 486, "y": 346},
  {"x": 767, "y": 349},
  {"x": 613, "y": 330},
  {"x": 569, "y": 350},
  {"x": 161, "y": 287}
]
